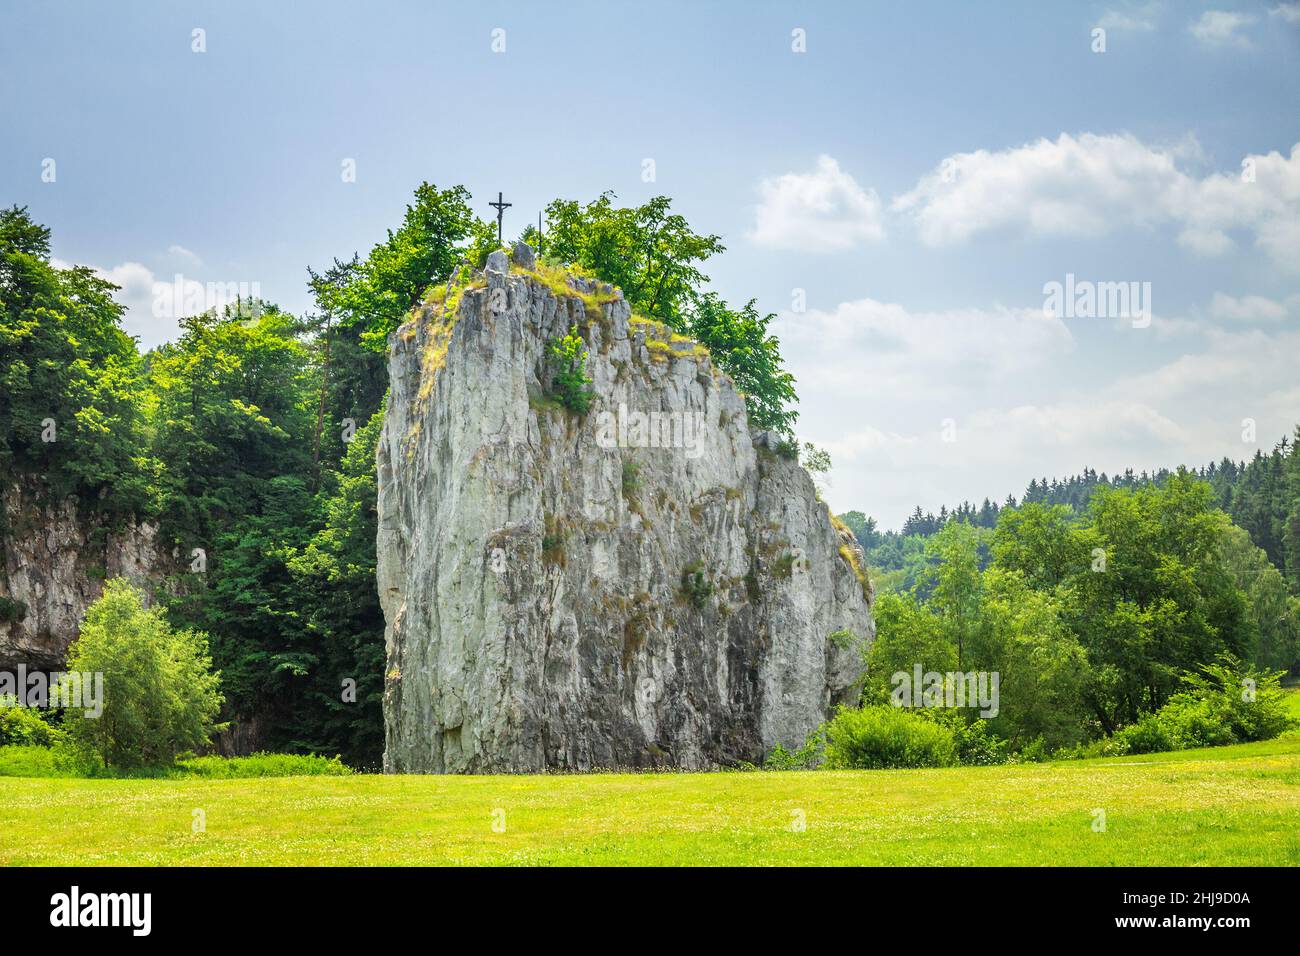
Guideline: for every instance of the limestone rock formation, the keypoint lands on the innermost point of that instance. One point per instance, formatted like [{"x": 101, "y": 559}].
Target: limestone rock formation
[
  {"x": 648, "y": 584},
  {"x": 55, "y": 562}
]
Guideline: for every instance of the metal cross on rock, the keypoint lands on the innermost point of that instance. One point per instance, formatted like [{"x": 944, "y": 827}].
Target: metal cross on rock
[{"x": 501, "y": 208}]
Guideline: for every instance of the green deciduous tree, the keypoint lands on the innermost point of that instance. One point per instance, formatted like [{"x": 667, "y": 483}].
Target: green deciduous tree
[
  {"x": 161, "y": 696},
  {"x": 70, "y": 395},
  {"x": 1042, "y": 668},
  {"x": 741, "y": 346},
  {"x": 908, "y": 633},
  {"x": 1274, "y": 614},
  {"x": 1045, "y": 543},
  {"x": 954, "y": 583},
  {"x": 1164, "y": 603},
  {"x": 649, "y": 252},
  {"x": 234, "y": 411},
  {"x": 437, "y": 232},
  {"x": 654, "y": 256}
]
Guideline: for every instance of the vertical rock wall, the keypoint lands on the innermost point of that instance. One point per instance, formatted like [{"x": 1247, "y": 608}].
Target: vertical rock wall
[
  {"x": 55, "y": 562},
  {"x": 648, "y": 584}
]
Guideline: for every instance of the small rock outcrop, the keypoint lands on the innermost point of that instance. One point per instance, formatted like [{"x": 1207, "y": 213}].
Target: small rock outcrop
[
  {"x": 55, "y": 561},
  {"x": 645, "y": 584}
]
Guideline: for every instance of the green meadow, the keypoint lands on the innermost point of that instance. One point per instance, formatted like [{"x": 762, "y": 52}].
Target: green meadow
[{"x": 1236, "y": 805}]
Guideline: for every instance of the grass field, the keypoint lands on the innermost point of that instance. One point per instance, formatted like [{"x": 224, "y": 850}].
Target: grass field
[{"x": 1225, "y": 806}]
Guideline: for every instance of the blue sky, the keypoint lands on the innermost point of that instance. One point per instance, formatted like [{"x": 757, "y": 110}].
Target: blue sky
[{"x": 920, "y": 172}]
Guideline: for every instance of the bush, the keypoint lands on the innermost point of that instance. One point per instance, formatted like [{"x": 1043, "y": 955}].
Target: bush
[
  {"x": 19, "y": 760},
  {"x": 12, "y": 610},
  {"x": 1147, "y": 736},
  {"x": 631, "y": 477},
  {"x": 160, "y": 694},
  {"x": 1036, "y": 751},
  {"x": 1225, "y": 703},
  {"x": 24, "y": 727},
  {"x": 696, "y": 586},
  {"x": 264, "y": 765},
  {"x": 806, "y": 757},
  {"x": 29, "y": 761},
  {"x": 977, "y": 745},
  {"x": 883, "y": 736},
  {"x": 571, "y": 380}
]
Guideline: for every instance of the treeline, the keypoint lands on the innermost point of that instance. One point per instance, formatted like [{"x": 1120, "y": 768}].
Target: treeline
[
  {"x": 250, "y": 439},
  {"x": 1097, "y": 619},
  {"x": 1261, "y": 495}
]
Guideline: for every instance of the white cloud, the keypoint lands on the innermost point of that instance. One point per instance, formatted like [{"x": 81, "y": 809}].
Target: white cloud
[
  {"x": 191, "y": 259},
  {"x": 1140, "y": 18},
  {"x": 1248, "y": 308},
  {"x": 1268, "y": 206},
  {"x": 1290, "y": 12},
  {"x": 154, "y": 303},
  {"x": 1093, "y": 185},
  {"x": 921, "y": 355},
  {"x": 1073, "y": 186},
  {"x": 136, "y": 281},
  {"x": 878, "y": 380},
  {"x": 1219, "y": 28},
  {"x": 821, "y": 210}
]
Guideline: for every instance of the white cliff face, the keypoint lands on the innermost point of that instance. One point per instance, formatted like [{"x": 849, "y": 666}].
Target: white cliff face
[
  {"x": 56, "y": 560},
  {"x": 559, "y": 592}
]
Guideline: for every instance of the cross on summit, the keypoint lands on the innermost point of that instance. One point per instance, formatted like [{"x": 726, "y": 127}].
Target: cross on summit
[{"x": 501, "y": 208}]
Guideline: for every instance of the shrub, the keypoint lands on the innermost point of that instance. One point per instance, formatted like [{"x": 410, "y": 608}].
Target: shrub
[
  {"x": 806, "y": 757},
  {"x": 843, "y": 639},
  {"x": 882, "y": 736},
  {"x": 1225, "y": 703},
  {"x": 696, "y": 586},
  {"x": 19, "y": 760},
  {"x": 976, "y": 744},
  {"x": 571, "y": 380},
  {"x": 1147, "y": 736},
  {"x": 788, "y": 449},
  {"x": 1102, "y": 747},
  {"x": 264, "y": 765},
  {"x": 160, "y": 694},
  {"x": 631, "y": 477},
  {"x": 783, "y": 567},
  {"x": 24, "y": 727},
  {"x": 28, "y": 761},
  {"x": 1036, "y": 751},
  {"x": 12, "y": 610}
]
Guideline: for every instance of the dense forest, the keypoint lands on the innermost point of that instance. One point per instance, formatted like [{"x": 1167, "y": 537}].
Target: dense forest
[{"x": 250, "y": 439}]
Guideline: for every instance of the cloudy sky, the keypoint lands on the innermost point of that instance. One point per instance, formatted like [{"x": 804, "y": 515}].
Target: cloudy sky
[{"x": 900, "y": 183}]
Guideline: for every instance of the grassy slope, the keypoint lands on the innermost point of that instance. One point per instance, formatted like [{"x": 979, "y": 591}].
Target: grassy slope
[{"x": 1229, "y": 805}]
